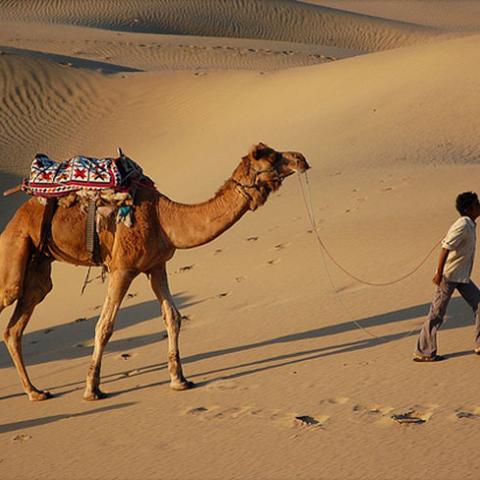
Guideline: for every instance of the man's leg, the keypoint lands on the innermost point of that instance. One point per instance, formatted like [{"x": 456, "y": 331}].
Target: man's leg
[
  {"x": 427, "y": 340},
  {"x": 471, "y": 294}
]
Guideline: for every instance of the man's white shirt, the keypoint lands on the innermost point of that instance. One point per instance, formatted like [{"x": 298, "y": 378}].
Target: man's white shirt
[{"x": 460, "y": 241}]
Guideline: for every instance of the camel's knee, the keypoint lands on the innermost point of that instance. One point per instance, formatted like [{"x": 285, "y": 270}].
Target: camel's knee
[
  {"x": 172, "y": 318},
  {"x": 12, "y": 335},
  {"x": 9, "y": 295}
]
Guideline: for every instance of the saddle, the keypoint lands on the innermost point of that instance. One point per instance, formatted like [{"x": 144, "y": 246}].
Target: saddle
[
  {"x": 101, "y": 186},
  {"x": 49, "y": 178}
]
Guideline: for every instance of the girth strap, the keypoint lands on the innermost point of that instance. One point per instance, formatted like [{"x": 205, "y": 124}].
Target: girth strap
[
  {"x": 92, "y": 242},
  {"x": 46, "y": 225}
]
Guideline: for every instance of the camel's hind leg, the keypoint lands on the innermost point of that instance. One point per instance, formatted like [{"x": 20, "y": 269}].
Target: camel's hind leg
[
  {"x": 173, "y": 320},
  {"x": 36, "y": 284}
]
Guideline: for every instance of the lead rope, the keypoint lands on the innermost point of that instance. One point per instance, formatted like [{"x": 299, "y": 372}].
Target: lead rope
[{"x": 307, "y": 198}]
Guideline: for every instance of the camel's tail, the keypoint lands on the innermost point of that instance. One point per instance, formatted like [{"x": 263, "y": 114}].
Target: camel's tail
[{"x": 15, "y": 189}]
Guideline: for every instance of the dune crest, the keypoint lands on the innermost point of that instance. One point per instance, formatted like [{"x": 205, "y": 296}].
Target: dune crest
[{"x": 284, "y": 20}]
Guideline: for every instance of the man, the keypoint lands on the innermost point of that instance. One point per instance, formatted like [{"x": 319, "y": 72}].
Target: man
[{"x": 453, "y": 272}]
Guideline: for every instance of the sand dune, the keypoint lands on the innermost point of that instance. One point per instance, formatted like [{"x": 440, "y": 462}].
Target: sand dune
[
  {"x": 86, "y": 104},
  {"x": 111, "y": 52},
  {"x": 288, "y": 385},
  {"x": 456, "y": 15},
  {"x": 275, "y": 20}
]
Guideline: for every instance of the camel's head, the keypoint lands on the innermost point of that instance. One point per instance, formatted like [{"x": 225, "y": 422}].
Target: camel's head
[{"x": 262, "y": 171}]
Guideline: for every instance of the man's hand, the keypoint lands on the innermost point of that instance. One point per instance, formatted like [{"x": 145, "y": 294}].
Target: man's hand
[{"x": 437, "y": 279}]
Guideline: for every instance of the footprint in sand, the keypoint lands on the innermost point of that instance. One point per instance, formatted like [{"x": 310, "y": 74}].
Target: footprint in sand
[
  {"x": 273, "y": 261},
  {"x": 196, "y": 411},
  {"x": 310, "y": 422},
  {"x": 374, "y": 413},
  {"x": 469, "y": 415},
  {"x": 251, "y": 239},
  {"x": 185, "y": 268},
  {"x": 217, "y": 251},
  {"x": 22, "y": 438},
  {"x": 415, "y": 415},
  {"x": 281, "y": 246},
  {"x": 335, "y": 401},
  {"x": 126, "y": 356},
  {"x": 240, "y": 279},
  {"x": 223, "y": 294},
  {"x": 222, "y": 385}
]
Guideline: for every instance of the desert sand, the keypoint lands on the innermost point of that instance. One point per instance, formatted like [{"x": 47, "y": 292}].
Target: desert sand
[{"x": 299, "y": 369}]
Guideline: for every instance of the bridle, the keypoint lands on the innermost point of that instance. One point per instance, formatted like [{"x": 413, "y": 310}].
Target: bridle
[{"x": 243, "y": 188}]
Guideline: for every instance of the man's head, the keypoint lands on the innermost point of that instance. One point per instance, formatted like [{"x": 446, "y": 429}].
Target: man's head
[{"x": 467, "y": 204}]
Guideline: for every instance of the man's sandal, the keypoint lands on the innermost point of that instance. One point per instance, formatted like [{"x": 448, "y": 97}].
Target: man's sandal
[
  {"x": 477, "y": 351},
  {"x": 434, "y": 358}
]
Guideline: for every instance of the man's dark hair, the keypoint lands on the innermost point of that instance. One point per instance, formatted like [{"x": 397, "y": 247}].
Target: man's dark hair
[{"x": 465, "y": 201}]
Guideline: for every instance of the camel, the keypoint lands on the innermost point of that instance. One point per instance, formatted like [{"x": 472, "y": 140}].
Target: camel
[{"x": 161, "y": 226}]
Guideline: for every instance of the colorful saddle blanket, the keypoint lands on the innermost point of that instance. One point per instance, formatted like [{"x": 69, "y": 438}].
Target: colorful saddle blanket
[{"x": 53, "y": 179}]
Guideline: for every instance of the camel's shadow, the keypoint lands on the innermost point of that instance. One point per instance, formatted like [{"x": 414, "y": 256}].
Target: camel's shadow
[
  {"x": 73, "y": 340},
  {"x": 71, "y": 335}
]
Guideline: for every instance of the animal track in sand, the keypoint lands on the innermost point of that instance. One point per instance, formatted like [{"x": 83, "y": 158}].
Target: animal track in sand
[
  {"x": 335, "y": 401},
  {"x": 279, "y": 418},
  {"x": 223, "y": 294},
  {"x": 126, "y": 356},
  {"x": 22, "y": 438},
  {"x": 273, "y": 261},
  {"x": 251, "y": 239},
  {"x": 185, "y": 268},
  {"x": 470, "y": 415},
  {"x": 373, "y": 414},
  {"x": 381, "y": 414},
  {"x": 281, "y": 246}
]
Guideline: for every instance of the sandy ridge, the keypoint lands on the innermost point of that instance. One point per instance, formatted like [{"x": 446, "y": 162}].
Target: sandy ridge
[{"x": 276, "y": 20}]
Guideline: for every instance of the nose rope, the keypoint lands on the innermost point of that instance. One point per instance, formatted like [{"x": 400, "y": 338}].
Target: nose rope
[{"x": 307, "y": 198}]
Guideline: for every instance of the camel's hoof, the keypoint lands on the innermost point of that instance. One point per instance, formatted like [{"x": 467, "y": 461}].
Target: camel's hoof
[
  {"x": 179, "y": 386},
  {"x": 39, "y": 395},
  {"x": 95, "y": 395}
]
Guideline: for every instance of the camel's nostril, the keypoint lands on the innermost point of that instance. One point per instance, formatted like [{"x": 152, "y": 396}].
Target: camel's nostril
[{"x": 302, "y": 165}]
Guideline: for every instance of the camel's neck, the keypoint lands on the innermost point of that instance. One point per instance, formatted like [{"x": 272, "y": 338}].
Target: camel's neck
[{"x": 189, "y": 226}]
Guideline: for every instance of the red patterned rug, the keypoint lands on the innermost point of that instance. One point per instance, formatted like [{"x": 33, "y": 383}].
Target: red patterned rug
[{"x": 52, "y": 179}]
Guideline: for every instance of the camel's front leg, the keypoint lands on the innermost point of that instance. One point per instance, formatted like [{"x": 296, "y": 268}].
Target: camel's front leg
[
  {"x": 118, "y": 284},
  {"x": 173, "y": 320}
]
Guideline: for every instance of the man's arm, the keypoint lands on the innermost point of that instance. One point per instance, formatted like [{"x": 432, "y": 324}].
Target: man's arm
[{"x": 441, "y": 265}]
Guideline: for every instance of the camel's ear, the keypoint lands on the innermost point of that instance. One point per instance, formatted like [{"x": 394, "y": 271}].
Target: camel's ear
[{"x": 257, "y": 151}]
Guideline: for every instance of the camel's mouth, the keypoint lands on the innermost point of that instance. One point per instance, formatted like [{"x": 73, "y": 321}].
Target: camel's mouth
[{"x": 296, "y": 163}]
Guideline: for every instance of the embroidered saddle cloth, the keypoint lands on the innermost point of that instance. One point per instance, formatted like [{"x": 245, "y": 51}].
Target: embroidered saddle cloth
[{"x": 54, "y": 179}]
